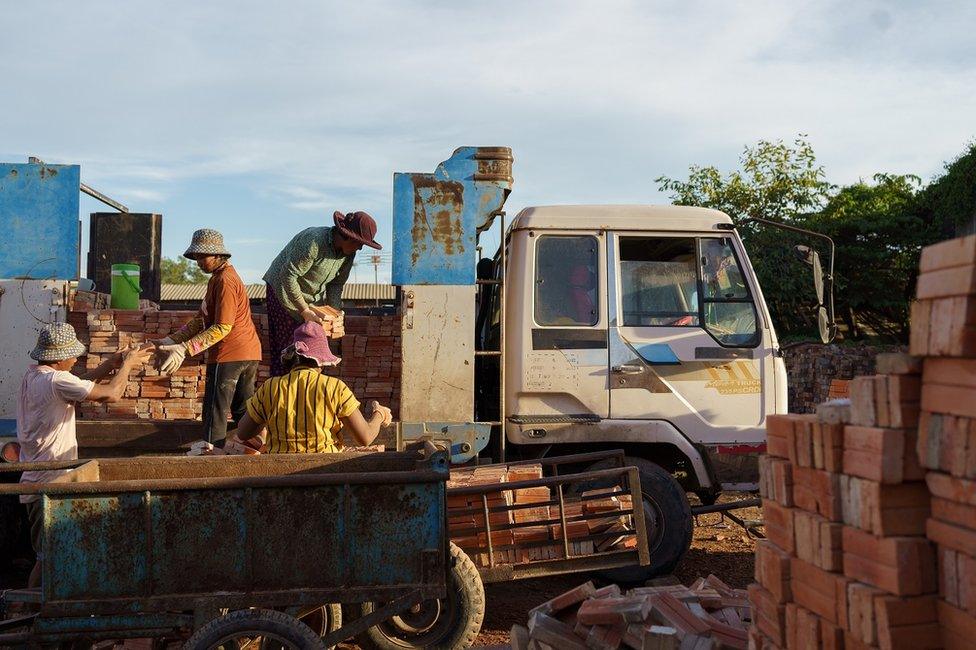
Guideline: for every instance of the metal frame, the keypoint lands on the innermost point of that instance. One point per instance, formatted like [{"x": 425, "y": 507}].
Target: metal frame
[{"x": 627, "y": 478}]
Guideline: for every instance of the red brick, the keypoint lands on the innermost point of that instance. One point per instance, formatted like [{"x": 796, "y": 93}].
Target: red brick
[
  {"x": 921, "y": 315},
  {"x": 958, "y": 627},
  {"x": 778, "y": 522},
  {"x": 949, "y": 253},
  {"x": 822, "y": 592},
  {"x": 773, "y": 570},
  {"x": 818, "y": 492},
  {"x": 886, "y": 510},
  {"x": 951, "y": 536},
  {"x": 828, "y": 446},
  {"x": 951, "y": 489},
  {"x": 861, "y": 617},
  {"x": 907, "y": 623},
  {"x": 884, "y": 455},
  {"x": 863, "y": 411},
  {"x": 903, "y": 566},
  {"x": 955, "y": 281}
]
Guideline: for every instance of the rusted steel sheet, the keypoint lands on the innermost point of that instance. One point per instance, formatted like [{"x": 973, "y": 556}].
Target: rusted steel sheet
[
  {"x": 314, "y": 535},
  {"x": 437, "y": 217}
]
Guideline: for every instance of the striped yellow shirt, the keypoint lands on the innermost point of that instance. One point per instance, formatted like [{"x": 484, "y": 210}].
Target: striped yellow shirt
[{"x": 301, "y": 411}]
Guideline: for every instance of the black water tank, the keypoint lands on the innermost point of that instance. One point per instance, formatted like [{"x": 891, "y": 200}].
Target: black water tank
[{"x": 117, "y": 237}]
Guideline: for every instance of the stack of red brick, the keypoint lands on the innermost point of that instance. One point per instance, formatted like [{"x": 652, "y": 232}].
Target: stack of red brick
[
  {"x": 846, "y": 562},
  {"x": 708, "y": 614},
  {"x": 371, "y": 356},
  {"x": 525, "y": 522},
  {"x": 944, "y": 332},
  {"x": 370, "y": 359}
]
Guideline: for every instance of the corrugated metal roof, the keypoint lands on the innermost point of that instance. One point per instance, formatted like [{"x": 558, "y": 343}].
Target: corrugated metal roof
[{"x": 351, "y": 291}]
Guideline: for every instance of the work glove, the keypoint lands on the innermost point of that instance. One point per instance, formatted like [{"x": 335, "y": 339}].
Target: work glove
[
  {"x": 165, "y": 341},
  {"x": 173, "y": 359}
]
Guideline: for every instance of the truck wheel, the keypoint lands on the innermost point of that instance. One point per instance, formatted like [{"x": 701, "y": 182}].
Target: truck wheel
[
  {"x": 667, "y": 518},
  {"x": 451, "y": 623},
  {"x": 257, "y": 628}
]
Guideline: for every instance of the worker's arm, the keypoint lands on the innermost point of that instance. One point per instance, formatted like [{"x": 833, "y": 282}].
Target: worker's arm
[
  {"x": 105, "y": 368},
  {"x": 113, "y": 390},
  {"x": 246, "y": 429},
  {"x": 364, "y": 430},
  {"x": 303, "y": 250},
  {"x": 190, "y": 329},
  {"x": 333, "y": 290}
]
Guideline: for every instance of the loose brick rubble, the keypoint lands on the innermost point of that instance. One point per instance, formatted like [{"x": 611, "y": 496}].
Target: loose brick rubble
[{"x": 707, "y": 614}]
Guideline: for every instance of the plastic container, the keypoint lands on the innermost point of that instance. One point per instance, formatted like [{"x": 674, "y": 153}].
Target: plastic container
[{"x": 125, "y": 286}]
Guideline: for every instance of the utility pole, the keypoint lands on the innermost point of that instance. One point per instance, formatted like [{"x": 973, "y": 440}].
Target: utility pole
[{"x": 376, "y": 274}]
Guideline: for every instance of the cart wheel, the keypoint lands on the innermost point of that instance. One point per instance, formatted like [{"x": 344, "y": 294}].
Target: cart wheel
[
  {"x": 257, "y": 629},
  {"x": 451, "y": 623},
  {"x": 667, "y": 519},
  {"x": 323, "y": 620}
]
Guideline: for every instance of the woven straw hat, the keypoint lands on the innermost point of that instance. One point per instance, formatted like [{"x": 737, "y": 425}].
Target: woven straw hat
[
  {"x": 206, "y": 242},
  {"x": 57, "y": 342}
]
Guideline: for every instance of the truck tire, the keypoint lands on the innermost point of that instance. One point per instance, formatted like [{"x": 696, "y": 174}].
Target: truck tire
[
  {"x": 277, "y": 629},
  {"x": 452, "y": 623},
  {"x": 667, "y": 518}
]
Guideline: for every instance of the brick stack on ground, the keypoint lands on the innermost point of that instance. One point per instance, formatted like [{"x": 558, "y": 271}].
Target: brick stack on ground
[
  {"x": 370, "y": 364},
  {"x": 525, "y": 522},
  {"x": 944, "y": 334},
  {"x": 846, "y": 562},
  {"x": 703, "y": 616}
]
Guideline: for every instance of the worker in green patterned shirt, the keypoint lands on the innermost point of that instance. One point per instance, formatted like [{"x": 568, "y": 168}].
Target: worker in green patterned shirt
[{"x": 311, "y": 271}]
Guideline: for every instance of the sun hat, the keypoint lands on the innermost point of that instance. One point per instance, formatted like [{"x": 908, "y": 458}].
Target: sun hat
[
  {"x": 309, "y": 340},
  {"x": 357, "y": 226},
  {"x": 57, "y": 342},
  {"x": 206, "y": 242}
]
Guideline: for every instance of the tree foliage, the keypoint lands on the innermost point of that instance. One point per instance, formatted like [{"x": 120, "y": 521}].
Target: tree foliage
[
  {"x": 779, "y": 182},
  {"x": 182, "y": 271},
  {"x": 878, "y": 229}
]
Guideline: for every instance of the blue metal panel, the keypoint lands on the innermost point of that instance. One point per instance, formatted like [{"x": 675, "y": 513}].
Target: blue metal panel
[
  {"x": 39, "y": 220},
  {"x": 437, "y": 217}
]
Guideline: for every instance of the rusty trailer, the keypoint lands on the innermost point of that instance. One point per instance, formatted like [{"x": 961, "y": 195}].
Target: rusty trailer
[
  {"x": 161, "y": 546},
  {"x": 566, "y": 552}
]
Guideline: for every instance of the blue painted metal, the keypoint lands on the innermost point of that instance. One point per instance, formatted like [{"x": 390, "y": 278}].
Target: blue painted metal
[
  {"x": 467, "y": 440},
  {"x": 659, "y": 353},
  {"x": 124, "y": 549},
  {"x": 39, "y": 220},
  {"x": 437, "y": 217},
  {"x": 8, "y": 427}
]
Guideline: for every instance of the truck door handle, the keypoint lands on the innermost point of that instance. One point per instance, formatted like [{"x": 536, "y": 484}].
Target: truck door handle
[{"x": 628, "y": 370}]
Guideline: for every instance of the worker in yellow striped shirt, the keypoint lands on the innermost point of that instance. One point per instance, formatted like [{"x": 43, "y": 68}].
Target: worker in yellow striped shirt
[{"x": 306, "y": 411}]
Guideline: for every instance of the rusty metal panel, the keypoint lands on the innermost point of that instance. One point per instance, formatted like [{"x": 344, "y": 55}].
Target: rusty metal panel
[
  {"x": 437, "y": 217},
  {"x": 95, "y": 547},
  {"x": 196, "y": 541},
  {"x": 437, "y": 354}
]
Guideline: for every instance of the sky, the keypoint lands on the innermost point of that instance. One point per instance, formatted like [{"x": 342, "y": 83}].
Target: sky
[{"x": 260, "y": 119}]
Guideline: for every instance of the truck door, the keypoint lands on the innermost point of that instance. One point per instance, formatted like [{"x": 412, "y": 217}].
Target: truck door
[
  {"x": 557, "y": 331},
  {"x": 685, "y": 337}
]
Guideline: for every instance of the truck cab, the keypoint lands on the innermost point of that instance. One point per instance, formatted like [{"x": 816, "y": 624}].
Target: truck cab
[{"x": 640, "y": 327}]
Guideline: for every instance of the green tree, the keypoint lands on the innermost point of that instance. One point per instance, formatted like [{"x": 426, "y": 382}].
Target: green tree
[
  {"x": 779, "y": 182},
  {"x": 948, "y": 204},
  {"x": 182, "y": 271},
  {"x": 879, "y": 234}
]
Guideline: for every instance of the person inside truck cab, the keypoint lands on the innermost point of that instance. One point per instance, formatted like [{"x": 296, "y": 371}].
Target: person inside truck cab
[
  {"x": 306, "y": 411},
  {"x": 46, "y": 409}
]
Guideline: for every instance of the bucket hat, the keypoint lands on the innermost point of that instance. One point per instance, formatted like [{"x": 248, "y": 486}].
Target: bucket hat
[
  {"x": 358, "y": 226},
  {"x": 57, "y": 342},
  {"x": 206, "y": 242},
  {"x": 309, "y": 340}
]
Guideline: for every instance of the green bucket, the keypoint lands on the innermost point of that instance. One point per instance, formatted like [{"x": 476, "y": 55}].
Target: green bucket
[{"x": 125, "y": 286}]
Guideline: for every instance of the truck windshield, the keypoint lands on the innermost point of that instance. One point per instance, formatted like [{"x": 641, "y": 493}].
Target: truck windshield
[{"x": 687, "y": 282}]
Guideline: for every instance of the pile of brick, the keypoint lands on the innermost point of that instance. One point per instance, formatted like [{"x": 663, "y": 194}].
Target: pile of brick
[
  {"x": 708, "y": 614},
  {"x": 870, "y": 506},
  {"x": 370, "y": 365},
  {"x": 846, "y": 562},
  {"x": 944, "y": 332},
  {"x": 371, "y": 356},
  {"x": 812, "y": 370},
  {"x": 526, "y": 523}
]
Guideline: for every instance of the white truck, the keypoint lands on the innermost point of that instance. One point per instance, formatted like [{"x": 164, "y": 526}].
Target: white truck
[{"x": 640, "y": 328}]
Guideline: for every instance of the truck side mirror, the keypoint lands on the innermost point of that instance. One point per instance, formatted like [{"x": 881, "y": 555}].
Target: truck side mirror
[{"x": 809, "y": 256}]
